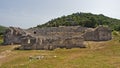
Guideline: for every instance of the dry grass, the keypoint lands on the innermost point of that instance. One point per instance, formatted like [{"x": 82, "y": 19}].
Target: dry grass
[
  {"x": 1, "y": 40},
  {"x": 96, "y": 55}
]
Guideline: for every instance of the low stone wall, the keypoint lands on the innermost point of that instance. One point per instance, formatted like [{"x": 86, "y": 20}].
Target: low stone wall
[{"x": 49, "y": 43}]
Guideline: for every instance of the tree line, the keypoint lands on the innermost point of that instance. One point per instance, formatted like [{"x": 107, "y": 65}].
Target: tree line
[{"x": 85, "y": 20}]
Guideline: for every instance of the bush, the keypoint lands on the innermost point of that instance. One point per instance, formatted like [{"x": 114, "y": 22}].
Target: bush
[
  {"x": 1, "y": 39},
  {"x": 83, "y": 19},
  {"x": 115, "y": 33}
]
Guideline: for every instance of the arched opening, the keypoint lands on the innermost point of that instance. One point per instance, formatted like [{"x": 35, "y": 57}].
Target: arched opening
[{"x": 34, "y": 32}]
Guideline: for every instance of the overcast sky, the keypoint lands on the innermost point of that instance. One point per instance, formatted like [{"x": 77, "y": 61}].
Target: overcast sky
[{"x": 29, "y": 13}]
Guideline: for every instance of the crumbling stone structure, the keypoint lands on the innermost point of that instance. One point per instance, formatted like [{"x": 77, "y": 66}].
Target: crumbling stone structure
[
  {"x": 49, "y": 43},
  {"x": 13, "y": 35},
  {"x": 55, "y": 37},
  {"x": 98, "y": 34}
]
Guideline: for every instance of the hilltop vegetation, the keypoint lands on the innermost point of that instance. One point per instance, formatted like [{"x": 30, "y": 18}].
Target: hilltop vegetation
[
  {"x": 83, "y": 19},
  {"x": 2, "y": 30}
]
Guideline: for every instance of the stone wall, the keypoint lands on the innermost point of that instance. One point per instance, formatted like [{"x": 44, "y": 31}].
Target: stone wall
[
  {"x": 13, "y": 35},
  {"x": 98, "y": 34},
  {"x": 56, "y": 30},
  {"x": 50, "y": 43},
  {"x": 55, "y": 37}
]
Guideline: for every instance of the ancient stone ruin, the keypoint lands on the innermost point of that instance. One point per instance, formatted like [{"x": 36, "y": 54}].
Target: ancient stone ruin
[
  {"x": 13, "y": 35},
  {"x": 50, "y": 38},
  {"x": 97, "y": 34}
]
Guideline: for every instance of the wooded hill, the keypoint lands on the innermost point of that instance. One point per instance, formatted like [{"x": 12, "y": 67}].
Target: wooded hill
[{"x": 83, "y": 19}]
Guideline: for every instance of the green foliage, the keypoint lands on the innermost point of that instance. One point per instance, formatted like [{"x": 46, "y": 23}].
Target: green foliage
[
  {"x": 83, "y": 19},
  {"x": 117, "y": 27},
  {"x": 115, "y": 33},
  {"x": 2, "y": 29},
  {"x": 1, "y": 39}
]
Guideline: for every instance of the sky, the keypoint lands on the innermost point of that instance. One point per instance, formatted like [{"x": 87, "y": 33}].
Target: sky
[{"x": 30, "y": 13}]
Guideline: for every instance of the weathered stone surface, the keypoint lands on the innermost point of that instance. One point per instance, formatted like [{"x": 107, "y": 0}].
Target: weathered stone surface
[
  {"x": 55, "y": 37},
  {"x": 49, "y": 43},
  {"x": 13, "y": 35},
  {"x": 98, "y": 34}
]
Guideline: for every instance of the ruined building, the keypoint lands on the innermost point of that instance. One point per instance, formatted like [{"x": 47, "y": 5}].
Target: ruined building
[
  {"x": 50, "y": 38},
  {"x": 98, "y": 34},
  {"x": 13, "y": 36}
]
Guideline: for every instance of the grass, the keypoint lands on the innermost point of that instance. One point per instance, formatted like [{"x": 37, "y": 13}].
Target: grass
[
  {"x": 96, "y": 55},
  {"x": 1, "y": 39}
]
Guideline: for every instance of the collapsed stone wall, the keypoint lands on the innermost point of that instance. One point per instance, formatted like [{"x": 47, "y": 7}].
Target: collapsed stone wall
[
  {"x": 13, "y": 35},
  {"x": 98, "y": 34},
  {"x": 56, "y": 30},
  {"x": 49, "y": 43},
  {"x": 54, "y": 37}
]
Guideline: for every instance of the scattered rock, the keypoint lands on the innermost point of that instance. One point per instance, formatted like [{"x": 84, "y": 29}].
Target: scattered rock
[{"x": 37, "y": 57}]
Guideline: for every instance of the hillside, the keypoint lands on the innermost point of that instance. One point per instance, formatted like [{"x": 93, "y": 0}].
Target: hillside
[{"x": 83, "y": 19}]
